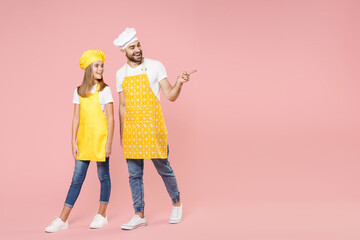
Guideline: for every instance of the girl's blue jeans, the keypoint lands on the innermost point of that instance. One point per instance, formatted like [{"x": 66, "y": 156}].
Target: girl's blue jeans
[{"x": 79, "y": 175}]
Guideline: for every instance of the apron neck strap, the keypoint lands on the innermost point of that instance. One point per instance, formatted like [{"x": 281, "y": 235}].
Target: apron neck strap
[
  {"x": 97, "y": 87},
  {"x": 142, "y": 65}
]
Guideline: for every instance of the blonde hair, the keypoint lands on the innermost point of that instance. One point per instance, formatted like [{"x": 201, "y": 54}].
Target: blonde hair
[{"x": 84, "y": 90}]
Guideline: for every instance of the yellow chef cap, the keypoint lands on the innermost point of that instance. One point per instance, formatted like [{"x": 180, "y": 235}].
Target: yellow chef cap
[{"x": 91, "y": 56}]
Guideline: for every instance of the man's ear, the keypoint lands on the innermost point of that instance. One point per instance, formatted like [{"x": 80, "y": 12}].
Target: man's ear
[{"x": 123, "y": 51}]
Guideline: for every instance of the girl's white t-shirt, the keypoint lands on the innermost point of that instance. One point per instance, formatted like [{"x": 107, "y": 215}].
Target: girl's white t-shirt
[
  {"x": 105, "y": 96},
  {"x": 154, "y": 69}
]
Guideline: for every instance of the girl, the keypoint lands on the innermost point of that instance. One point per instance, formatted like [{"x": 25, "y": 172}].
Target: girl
[{"x": 92, "y": 134}]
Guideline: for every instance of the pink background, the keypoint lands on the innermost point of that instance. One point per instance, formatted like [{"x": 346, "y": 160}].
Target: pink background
[{"x": 264, "y": 140}]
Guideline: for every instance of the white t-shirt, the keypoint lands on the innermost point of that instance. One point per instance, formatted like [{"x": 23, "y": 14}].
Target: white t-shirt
[
  {"x": 104, "y": 96},
  {"x": 154, "y": 70}
]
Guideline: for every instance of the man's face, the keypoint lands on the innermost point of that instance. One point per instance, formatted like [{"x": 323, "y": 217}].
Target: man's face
[{"x": 134, "y": 52}]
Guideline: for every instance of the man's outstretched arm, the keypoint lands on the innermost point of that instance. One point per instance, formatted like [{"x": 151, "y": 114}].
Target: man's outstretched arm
[{"x": 173, "y": 92}]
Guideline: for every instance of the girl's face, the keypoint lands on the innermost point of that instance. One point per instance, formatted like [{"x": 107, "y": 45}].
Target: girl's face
[{"x": 98, "y": 69}]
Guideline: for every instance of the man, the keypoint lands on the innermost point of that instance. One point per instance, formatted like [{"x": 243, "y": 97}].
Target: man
[{"x": 142, "y": 127}]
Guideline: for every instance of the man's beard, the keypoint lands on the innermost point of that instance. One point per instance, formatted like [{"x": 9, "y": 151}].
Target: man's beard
[{"x": 132, "y": 58}]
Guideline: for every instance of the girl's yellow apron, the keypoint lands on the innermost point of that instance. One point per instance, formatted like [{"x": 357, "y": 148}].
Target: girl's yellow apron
[
  {"x": 93, "y": 129},
  {"x": 145, "y": 134}
]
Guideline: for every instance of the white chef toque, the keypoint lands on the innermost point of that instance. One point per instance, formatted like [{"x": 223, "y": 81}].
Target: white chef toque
[{"x": 125, "y": 38}]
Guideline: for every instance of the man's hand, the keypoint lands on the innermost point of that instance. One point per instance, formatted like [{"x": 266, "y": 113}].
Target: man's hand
[
  {"x": 185, "y": 76},
  {"x": 172, "y": 92}
]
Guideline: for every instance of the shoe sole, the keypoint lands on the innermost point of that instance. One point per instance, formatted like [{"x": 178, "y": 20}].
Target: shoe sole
[
  {"x": 175, "y": 221},
  {"x": 97, "y": 227},
  {"x": 131, "y": 228},
  {"x": 56, "y": 230}
]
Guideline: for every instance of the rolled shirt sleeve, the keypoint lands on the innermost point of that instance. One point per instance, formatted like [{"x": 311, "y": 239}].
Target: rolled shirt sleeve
[
  {"x": 161, "y": 73},
  {"x": 119, "y": 80},
  {"x": 76, "y": 98},
  {"x": 107, "y": 96}
]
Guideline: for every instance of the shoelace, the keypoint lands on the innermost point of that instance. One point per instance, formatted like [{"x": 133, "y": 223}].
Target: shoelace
[
  {"x": 134, "y": 219},
  {"x": 176, "y": 212},
  {"x": 97, "y": 218},
  {"x": 55, "y": 220}
]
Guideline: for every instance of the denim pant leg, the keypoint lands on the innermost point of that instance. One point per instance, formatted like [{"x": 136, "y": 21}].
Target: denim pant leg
[
  {"x": 79, "y": 175},
  {"x": 136, "y": 167},
  {"x": 166, "y": 172},
  {"x": 105, "y": 183}
]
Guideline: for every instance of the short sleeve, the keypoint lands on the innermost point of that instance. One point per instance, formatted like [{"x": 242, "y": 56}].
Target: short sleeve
[
  {"x": 76, "y": 98},
  {"x": 107, "y": 96},
  {"x": 119, "y": 80},
  {"x": 161, "y": 72}
]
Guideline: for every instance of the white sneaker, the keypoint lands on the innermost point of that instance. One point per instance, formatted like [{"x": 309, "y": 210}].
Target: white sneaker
[
  {"x": 176, "y": 214},
  {"x": 135, "y": 222},
  {"x": 99, "y": 221},
  {"x": 57, "y": 225}
]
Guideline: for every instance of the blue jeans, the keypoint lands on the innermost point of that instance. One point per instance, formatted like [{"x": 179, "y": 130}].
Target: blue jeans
[
  {"x": 136, "y": 167},
  {"x": 80, "y": 171}
]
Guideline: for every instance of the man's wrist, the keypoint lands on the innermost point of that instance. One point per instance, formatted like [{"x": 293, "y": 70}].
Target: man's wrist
[{"x": 179, "y": 83}]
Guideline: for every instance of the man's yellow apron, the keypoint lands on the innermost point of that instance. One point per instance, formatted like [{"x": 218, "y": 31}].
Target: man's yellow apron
[{"x": 145, "y": 134}]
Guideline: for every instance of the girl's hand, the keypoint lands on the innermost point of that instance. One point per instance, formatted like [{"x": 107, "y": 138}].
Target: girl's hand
[
  {"x": 75, "y": 151},
  {"x": 107, "y": 150}
]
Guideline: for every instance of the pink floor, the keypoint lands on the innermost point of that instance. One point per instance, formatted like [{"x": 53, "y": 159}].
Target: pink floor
[{"x": 252, "y": 221}]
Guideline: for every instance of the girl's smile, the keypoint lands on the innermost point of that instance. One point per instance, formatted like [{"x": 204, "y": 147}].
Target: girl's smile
[{"x": 98, "y": 69}]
